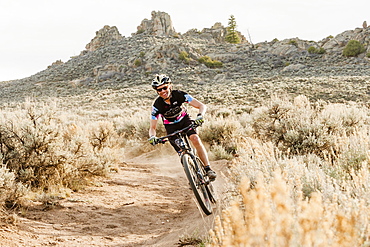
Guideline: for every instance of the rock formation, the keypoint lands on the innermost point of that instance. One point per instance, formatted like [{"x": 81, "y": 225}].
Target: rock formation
[
  {"x": 103, "y": 37},
  {"x": 159, "y": 25},
  {"x": 215, "y": 34},
  {"x": 111, "y": 58}
]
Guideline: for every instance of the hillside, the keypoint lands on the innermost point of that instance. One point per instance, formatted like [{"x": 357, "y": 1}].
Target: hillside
[{"x": 113, "y": 61}]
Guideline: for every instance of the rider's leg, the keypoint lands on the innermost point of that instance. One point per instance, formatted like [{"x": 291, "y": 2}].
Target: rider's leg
[
  {"x": 201, "y": 151},
  {"x": 202, "y": 154}
]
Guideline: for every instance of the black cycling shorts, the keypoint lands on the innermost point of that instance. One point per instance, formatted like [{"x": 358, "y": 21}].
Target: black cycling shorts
[{"x": 170, "y": 128}]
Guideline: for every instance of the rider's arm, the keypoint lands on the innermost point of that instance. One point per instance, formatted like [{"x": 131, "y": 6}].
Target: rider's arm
[
  {"x": 199, "y": 105},
  {"x": 153, "y": 127}
]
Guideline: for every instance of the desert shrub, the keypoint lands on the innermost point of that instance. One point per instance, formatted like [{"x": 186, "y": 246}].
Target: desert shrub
[
  {"x": 206, "y": 60},
  {"x": 353, "y": 48},
  {"x": 298, "y": 128},
  {"x": 294, "y": 201},
  {"x": 184, "y": 56},
  {"x": 136, "y": 130},
  {"x": 222, "y": 134},
  {"x": 139, "y": 31},
  {"x": 138, "y": 62},
  {"x": 42, "y": 150},
  {"x": 269, "y": 215},
  {"x": 314, "y": 50},
  {"x": 293, "y": 42},
  {"x": 10, "y": 190},
  {"x": 103, "y": 134}
]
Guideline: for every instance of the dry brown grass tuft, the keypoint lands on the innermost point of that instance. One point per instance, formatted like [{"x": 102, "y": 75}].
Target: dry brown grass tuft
[
  {"x": 301, "y": 192},
  {"x": 268, "y": 215}
]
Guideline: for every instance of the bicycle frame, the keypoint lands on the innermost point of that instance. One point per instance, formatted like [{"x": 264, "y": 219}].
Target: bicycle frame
[
  {"x": 183, "y": 143},
  {"x": 194, "y": 169}
]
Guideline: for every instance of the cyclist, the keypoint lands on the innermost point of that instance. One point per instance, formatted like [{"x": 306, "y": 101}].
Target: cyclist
[{"x": 170, "y": 106}]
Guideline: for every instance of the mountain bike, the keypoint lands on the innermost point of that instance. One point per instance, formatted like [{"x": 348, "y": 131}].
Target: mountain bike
[{"x": 194, "y": 169}]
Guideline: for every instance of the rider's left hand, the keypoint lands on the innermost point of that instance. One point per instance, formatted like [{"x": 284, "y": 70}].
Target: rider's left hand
[{"x": 199, "y": 120}]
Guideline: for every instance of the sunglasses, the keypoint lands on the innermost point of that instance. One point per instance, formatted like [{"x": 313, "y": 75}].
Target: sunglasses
[{"x": 160, "y": 89}]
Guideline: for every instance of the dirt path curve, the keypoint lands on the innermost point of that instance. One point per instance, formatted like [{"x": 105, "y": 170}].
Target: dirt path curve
[{"x": 146, "y": 203}]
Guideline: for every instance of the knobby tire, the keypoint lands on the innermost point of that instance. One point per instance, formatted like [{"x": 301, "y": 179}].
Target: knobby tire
[
  {"x": 200, "y": 190},
  {"x": 209, "y": 186}
]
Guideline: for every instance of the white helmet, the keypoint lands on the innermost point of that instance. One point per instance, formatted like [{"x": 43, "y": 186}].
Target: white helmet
[{"x": 160, "y": 80}]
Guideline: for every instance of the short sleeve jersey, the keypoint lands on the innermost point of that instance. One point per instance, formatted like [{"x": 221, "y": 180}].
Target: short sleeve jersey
[{"x": 175, "y": 111}]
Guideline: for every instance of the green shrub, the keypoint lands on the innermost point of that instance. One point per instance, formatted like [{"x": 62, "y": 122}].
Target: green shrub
[
  {"x": 140, "y": 31},
  {"x": 353, "y": 48},
  {"x": 184, "y": 56},
  {"x": 314, "y": 50},
  {"x": 311, "y": 50},
  {"x": 368, "y": 54},
  {"x": 293, "y": 42},
  {"x": 210, "y": 63},
  {"x": 138, "y": 62}
]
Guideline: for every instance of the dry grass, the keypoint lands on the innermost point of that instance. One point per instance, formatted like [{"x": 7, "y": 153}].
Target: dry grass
[
  {"x": 42, "y": 150},
  {"x": 295, "y": 194},
  {"x": 299, "y": 173}
]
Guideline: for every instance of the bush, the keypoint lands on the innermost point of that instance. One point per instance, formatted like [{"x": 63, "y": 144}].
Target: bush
[
  {"x": 140, "y": 31},
  {"x": 293, "y": 42},
  {"x": 314, "y": 50},
  {"x": 210, "y": 63},
  {"x": 353, "y": 48},
  {"x": 298, "y": 128},
  {"x": 222, "y": 135},
  {"x": 184, "y": 56},
  {"x": 138, "y": 62},
  {"x": 43, "y": 151}
]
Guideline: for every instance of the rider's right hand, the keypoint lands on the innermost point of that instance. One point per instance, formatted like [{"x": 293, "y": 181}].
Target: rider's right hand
[{"x": 153, "y": 140}]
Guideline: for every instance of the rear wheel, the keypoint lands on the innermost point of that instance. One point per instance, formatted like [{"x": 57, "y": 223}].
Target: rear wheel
[{"x": 199, "y": 187}]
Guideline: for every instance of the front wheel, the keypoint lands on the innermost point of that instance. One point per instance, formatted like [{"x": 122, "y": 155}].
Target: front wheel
[
  {"x": 208, "y": 184},
  {"x": 198, "y": 186}
]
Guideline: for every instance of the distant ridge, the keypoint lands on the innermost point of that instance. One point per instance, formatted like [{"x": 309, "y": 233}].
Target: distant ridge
[{"x": 156, "y": 47}]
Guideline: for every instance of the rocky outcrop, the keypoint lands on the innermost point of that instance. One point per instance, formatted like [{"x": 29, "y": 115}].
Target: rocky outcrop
[
  {"x": 103, "y": 37},
  {"x": 215, "y": 34},
  {"x": 111, "y": 58},
  {"x": 159, "y": 25},
  {"x": 337, "y": 43}
]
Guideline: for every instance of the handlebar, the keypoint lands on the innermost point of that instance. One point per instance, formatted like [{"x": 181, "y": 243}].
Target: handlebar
[{"x": 163, "y": 139}]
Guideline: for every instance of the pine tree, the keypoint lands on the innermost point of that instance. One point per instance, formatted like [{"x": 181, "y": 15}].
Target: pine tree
[{"x": 232, "y": 35}]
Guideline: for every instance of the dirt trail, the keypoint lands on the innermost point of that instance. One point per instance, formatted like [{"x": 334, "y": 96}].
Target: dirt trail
[{"x": 146, "y": 203}]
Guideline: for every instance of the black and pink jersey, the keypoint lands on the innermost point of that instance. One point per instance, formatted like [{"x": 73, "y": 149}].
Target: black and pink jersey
[{"x": 175, "y": 111}]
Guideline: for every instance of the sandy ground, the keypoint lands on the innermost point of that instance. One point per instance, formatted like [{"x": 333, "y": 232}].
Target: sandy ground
[{"x": 146, "y": 203}]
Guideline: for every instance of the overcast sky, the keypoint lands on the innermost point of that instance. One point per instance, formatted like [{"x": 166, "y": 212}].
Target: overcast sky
[{"x": 35, "y": 33}]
